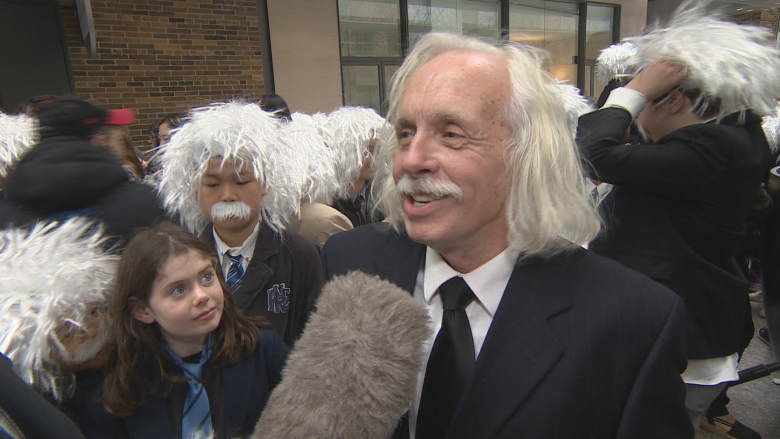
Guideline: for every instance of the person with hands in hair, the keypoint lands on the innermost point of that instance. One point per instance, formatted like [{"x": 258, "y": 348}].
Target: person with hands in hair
[{"x": 681, "y": 198}]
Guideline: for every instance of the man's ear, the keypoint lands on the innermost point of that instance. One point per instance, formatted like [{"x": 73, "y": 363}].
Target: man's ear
[
  {"x": 140, "y": 311},
  {"x": 676, "y": 101},
  {"x": 265, "y": 190}
]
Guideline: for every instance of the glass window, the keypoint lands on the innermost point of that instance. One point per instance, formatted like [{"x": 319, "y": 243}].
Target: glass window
[
  {"x": 550, "y": 25},
  {"x": 361, "y": 86},
  {"x": 465, "y": 17},
  {"x": 371, "y": 40},
  {"x": 389, "y": 71},
  {"x": 598, "y": 35},
  {"x": 370, "y": 28}
]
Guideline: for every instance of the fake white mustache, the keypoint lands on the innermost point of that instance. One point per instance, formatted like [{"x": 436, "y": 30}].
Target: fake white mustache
[
  {"x": 89, "y": 349},
  {"x": 225, "y": 210},
  {"x": 408, "y": 186}
]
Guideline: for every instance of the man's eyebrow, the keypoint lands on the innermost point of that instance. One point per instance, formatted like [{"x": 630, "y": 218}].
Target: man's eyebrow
[
  {"x": 441, "y": 117},
  {"x": 403, "y": 122},
  {"x": 448, "y": 117}
]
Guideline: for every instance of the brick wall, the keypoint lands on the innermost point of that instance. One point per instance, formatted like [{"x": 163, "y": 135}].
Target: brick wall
[
  {"x": 767, "y": 18},
  {"x": 164, "y": 56}
]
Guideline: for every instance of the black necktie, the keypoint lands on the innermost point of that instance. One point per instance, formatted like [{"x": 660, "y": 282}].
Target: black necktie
[
  {"x": 450, "y": 364},
  {"x": 359, "y": 208}
]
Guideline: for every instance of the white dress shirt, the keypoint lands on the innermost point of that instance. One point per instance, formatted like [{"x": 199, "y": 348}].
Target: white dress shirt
[
  {"x": 628, "y": 99},
  {"x": 488, "y": 283},
  {"x": 246, "y": 250}
]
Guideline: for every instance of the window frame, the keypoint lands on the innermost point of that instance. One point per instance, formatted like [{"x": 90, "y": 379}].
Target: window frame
[{"x": 403, "y": 8}]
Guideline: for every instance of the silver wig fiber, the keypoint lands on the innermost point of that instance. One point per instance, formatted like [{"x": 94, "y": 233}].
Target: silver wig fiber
[
  {"x": 351, "y": 128},
  {"x": 575, "y": 103},
  {"x": 548, "y": 207},
  {"x": 52, "y": 275},
  {"x": 18, "y": 134},
  {"x": 616, "y": 61},
  {"x": 233, "y": 132},
  {"x": 731, "y": 64},
  {"x": 771, "y": 126},
  {"x": 307, "y": 140}
]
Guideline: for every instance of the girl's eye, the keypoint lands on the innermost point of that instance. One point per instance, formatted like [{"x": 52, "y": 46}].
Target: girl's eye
[
  {"x": 207, "y": 278},
  {"x": 178, "y": 291}
]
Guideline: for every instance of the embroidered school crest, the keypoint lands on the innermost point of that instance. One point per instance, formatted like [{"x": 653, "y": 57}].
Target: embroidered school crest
[{"x": 278, "y": 299}]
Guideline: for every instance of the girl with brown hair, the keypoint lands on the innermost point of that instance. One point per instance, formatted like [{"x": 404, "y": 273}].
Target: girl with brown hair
[{"x": 184, "y": 361}]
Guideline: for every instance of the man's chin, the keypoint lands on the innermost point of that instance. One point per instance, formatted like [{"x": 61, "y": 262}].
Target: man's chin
[{"x": 420, "y": 232}]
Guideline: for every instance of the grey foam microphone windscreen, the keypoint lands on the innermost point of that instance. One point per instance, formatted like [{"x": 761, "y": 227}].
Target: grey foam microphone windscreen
[{"x": 354, "y": 370}]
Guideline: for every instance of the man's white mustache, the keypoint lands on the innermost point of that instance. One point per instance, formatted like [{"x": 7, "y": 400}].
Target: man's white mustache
[
  {"x": 429, "y": 186},
  {"x": 225, "y": 210}
]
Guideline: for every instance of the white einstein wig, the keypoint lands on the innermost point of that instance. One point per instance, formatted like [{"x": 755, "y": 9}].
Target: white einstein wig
[
  {"x": 53, "y": 277},
  {"x": 548, "y": 207},
  {"x": 575, "y": 103},
  {"x": 351, "y": 128},
  {"x": 307, "y": 140},
  {"x": 616, "y": 61},
  {"x": 771, "y": 126},
  {"x": 234, "y": 132},
  {"x": 18, "y": 134},
  {"x": 732, "y": 65}
]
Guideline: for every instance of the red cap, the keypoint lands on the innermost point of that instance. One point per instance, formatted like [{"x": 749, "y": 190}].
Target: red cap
[{"x": 120, "y": 117}]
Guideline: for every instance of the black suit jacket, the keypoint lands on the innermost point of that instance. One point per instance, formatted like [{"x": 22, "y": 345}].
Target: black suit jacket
[
  {"x": 64, "y": 177},
  {"x": 281, "y": 282},
  {"x": 351, "y": 211},
  {"x": 677, "y": 211},
  {"x": 580, "y": 346}
]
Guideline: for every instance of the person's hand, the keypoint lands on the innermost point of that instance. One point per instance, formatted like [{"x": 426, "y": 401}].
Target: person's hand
[{"x": 658, "y": 78}]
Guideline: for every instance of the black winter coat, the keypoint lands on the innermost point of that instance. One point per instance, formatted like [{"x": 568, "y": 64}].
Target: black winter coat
[{"x": 66, "y": 176}]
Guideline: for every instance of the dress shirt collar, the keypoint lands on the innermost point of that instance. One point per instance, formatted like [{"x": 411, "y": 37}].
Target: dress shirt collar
[
  {"x": 487, "y": 281},
  {"x": 353, "y": 196},
  {"x": 246, "y": 250}
]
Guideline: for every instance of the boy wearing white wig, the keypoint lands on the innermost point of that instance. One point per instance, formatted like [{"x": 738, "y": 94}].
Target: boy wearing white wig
[
  {"x": 681, "y": 199},
  {"x": 354, "y": 132},
  {"x": 227, "y": 173}
]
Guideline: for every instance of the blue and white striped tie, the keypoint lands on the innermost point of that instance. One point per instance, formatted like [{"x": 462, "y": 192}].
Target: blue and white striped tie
[
  {"x": 196, "y": 415},
  {"x": 235, "y": 273}
]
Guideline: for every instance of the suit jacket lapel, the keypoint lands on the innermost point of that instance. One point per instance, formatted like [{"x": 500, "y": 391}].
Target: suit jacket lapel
[
  {"x": 258, "y": 273},
  {"x": 239, "y": 377},
  {"x": 518, "y": 351},
  {"x": 399, "y": 261}
]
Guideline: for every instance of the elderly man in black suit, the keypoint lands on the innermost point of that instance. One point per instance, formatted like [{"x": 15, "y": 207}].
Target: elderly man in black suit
[{"x": 485, "y": 196}]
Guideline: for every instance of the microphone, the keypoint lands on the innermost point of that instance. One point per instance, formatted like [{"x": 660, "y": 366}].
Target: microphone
[{"x": 353, "y": 372}]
